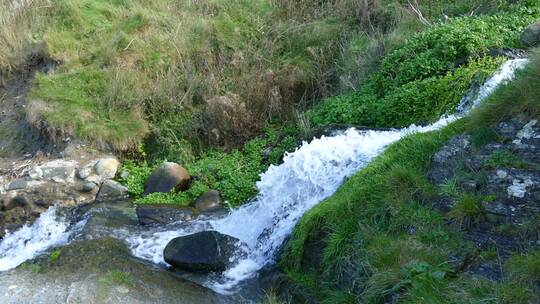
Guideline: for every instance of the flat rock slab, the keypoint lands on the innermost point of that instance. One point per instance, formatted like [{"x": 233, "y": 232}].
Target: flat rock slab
[{"x": 98, "y": 271}]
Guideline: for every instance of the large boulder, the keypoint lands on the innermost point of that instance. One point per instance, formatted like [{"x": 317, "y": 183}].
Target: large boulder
[
  {"x": 160, "y": 214},
  {"x": 111, "y": 191},
  {"x": 209, "y": 202},
  {"x": 530, "y": 37},
  {"x": 202, "y": 251},
  {"x": 166, "y": 177}
]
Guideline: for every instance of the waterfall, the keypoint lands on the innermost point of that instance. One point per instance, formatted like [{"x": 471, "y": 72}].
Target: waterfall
[
  {"x": 306, "y": 177},
  {"x": 285, "y": 192}
]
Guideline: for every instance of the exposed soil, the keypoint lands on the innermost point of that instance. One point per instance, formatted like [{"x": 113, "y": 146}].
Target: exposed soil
[{"x": 18, "y": 140}]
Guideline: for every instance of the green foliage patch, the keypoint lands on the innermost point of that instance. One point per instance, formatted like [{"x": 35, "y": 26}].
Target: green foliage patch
[
  {"x": 233, "y": 174},
  {"x": 428, "y": 75}
]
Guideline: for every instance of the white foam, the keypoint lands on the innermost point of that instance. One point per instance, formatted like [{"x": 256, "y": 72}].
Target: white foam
[{"x": 47, "y": 232}]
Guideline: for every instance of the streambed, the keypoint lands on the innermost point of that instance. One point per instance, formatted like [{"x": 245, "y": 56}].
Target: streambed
[{"x": 305, "y": 178}]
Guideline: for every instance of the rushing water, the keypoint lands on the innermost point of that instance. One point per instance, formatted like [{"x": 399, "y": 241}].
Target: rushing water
[
  {"x": 50, "y": 230},
  {"x": 305, "y": 178}
]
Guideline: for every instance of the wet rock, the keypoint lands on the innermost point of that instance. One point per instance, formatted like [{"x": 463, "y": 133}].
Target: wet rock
[
  {"x": 202, "y": 251},
  {"x": 167, "y": 177},
  {"x": 507, "y": 52},
  {"x": 111, "y": 191},
  {"x": 159, "y": 214},
  {"x": 110, "y": 275},
  {"x": 530, "y": 37},
  {"x": 209, "y": 202},
  {"x": 106, "y": 168}
]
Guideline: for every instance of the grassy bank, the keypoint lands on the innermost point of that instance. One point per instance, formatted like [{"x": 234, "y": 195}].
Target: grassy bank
[
  {"x": 171, "y": 78},
  {"x": 378, "y": 237}
]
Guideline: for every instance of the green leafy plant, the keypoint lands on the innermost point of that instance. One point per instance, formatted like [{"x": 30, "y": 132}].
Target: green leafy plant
[{"x": 55, "y": 255}]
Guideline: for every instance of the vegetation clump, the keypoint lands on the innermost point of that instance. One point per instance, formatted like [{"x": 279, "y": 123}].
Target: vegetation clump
[{"x": 233, "y": 174}]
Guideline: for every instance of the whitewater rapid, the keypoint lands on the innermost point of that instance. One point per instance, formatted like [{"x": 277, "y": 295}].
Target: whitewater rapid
[
  {"x": 306, "y": 177},
  {"x": 285, "y": 192},
  {"x": 48, "y": 231}
]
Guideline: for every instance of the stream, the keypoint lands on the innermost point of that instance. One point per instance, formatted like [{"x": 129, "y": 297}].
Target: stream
[{"x": 285, "y": 192}]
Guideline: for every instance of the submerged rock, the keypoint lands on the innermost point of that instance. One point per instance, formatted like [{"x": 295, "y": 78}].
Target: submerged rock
[
  {"x": 160, "y": 214},
  {"x": 202, "y": 251},
  {"x": 209, "y": 202},
  {"x": 167, "y": 177}
]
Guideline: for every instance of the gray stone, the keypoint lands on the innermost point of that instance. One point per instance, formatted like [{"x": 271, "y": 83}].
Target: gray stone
[
  {"x": 84, "y": 172},
  {"x": 209, "y": 202},
  {"x": 530, "y": 37},
  {"x": 446, "y": 161},
  {"x": 106, "y": 168},
  {"x": 58, "y": 171},
  {"x": 88, "y": 187},
  {"x": 162, "y": 215},
  {"x": 17, "y": 184},
  {"x": 111, "y": 191}
]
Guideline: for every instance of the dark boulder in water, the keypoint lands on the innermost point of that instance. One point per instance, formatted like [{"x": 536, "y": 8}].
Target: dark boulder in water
[
  {"x": 167, "y": 177},
  {"x": 202, "y": 251},
  {"x": 159, "y": 214}
]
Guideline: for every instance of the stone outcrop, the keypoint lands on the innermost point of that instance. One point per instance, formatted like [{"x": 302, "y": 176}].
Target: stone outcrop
[
  {"x": 98, "y": 271},
  {"x": 31, "y": 187},
  {"x": 504, "y": 177}
]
